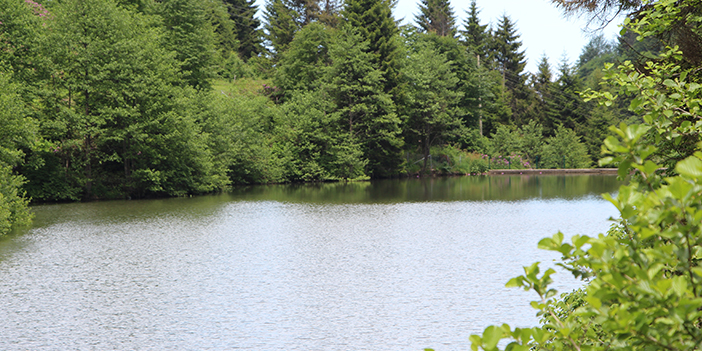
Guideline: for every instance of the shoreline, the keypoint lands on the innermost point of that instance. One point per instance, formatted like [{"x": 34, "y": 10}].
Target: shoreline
[{"x": 552, "y": 171}]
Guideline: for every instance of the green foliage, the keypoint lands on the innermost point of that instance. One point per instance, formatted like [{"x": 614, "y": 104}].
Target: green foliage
[
  {"x": 436, "y": 16},
  {"x": 363, "y": 109},
  {"x": 432, "y": 99},
  {"x": 565, "y": 150},
  {"x": 304, "y": 63},
  {"x": 238, "y": 130},
  {"x": 16, "y": 132},
  {"x": 114, "y": 111},
  {"x": 190, "y": 35},
  {"x": 13, "y": 205},
  {"x": 248, "y": 33},
  {"x": 374, "y": 21},
  {"x": 505, "y": 141},
  {"x": 310, "y": 144},
  {"x": 280, "y": 26},
  {"x": 450, "y": 160},
  {"x": 475, "y": 35}
]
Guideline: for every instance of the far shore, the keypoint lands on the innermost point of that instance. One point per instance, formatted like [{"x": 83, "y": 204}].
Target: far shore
[{"x": 552, "y": 171}]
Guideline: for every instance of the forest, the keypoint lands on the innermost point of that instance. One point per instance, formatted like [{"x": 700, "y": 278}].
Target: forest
[{"x": 106, "y": 99}]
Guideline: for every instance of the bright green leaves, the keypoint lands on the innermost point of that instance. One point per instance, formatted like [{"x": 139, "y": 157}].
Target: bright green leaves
[{"x": 691, "y": 167}]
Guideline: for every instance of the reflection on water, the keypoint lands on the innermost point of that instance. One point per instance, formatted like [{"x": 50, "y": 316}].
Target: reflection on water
[
  {"x": 474, "y": 188},
  {"x": 392, "y": 265}
]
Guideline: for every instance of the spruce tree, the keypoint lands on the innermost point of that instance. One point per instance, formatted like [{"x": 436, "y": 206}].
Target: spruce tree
[
  {"x": 374, "y": 21},
  {"x": 541, "y": 83},
  {"x": 475, "y": 35},
  {"x": 510, "y": 62},
  {"x": 243, "y": 13},
  {"x": 565, "y": 107},
  {"x": 190, "y": 35},
  {"x": 364, "y": 111},
  {"x": 280, "y": 27},
  {"x": 506, "y": 53},
  {"x": 436, "y": 16},
  {"x": 432, "y": 100}
]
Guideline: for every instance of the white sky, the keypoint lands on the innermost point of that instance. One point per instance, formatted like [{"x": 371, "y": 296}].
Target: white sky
[{"x": 543, "y": 28}]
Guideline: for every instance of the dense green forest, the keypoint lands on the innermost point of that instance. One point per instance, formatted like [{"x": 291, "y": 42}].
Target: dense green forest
[{"x": 105, "y": 99}]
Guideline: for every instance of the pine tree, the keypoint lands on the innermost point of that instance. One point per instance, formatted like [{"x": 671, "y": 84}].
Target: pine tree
[
  {"x": 243, "y": 13},
  {"x": 542, "y": 83},
  {"x": 505, "y": 54},
  {"x": 374, "y": 21},
  {"x": 190, "y": 35},
  {"x": 436, "y": 16},
  {"x": 475, "y": 35},
  {"x": 565, "y": 107},
  {"x": 364, "y": 111},
  {"x": 280, "y": 27}
]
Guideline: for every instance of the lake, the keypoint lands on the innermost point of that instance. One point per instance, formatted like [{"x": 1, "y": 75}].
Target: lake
[{"x": 383, "y": 265}]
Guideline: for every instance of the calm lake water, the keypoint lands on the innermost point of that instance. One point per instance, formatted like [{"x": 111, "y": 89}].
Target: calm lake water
[{"x": 389, "y": 265}]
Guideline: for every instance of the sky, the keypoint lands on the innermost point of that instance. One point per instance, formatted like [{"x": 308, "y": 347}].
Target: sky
[{"x": 543, "y": 27}]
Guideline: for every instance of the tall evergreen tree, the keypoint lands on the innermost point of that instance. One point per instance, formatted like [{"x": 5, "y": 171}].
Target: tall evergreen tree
[
  {"x": 280, "y": 26},
  {"x": 217, "y": 14},
  {"x": 541, "y": 83},
  {"x": 365, "y": 111},
  {"x": 436, "y": 16},
  {"x": 374, "y": 21},
  {"x": 506, "y": 53},
  {"x": 510, "y": 62},
  {"x": 243, "y": 13},
  {"x": 565, "y": 107},
  {"x": 474, "y": 34},
  {"x": 190, "y": 35}
]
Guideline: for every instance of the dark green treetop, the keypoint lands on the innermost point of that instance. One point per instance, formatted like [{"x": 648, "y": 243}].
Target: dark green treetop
[
  {"x": 474, "y": 34},
  {"x": 374, "y": 21},
  {"x": 436, "y": 16},
  {"x": 243, "y": 13}
]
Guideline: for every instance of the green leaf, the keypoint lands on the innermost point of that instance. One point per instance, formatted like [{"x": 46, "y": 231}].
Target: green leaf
[
  {"x": 690, "y": 167},
  {"x": 491, "y": 336},
  {"x": 680, "y": 285}
]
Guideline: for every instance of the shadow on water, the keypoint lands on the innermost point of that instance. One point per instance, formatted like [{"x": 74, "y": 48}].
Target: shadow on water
[{"x": 474, "y": 188}]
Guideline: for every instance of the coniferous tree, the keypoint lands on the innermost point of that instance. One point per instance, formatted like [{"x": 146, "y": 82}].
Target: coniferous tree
[
  {"x": 565, "y": 107},
  {"x": 475, "y": 35},
  {"x": 364, "y": 111},
  {"x": 243, "y": 13},
  {"x": 541, "y": 83},
  {"x": 190, "y": 35},
  {"x": 507, "y": 54},
  {"x": 226, "y": 41},
  {"x": 374, "y": 21},
  {"x": 436, "y": 16},
  {"x": 307, "y": 11},
  {"x": 510, "y": 62},
  {"x": 280, "y": 26}
]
